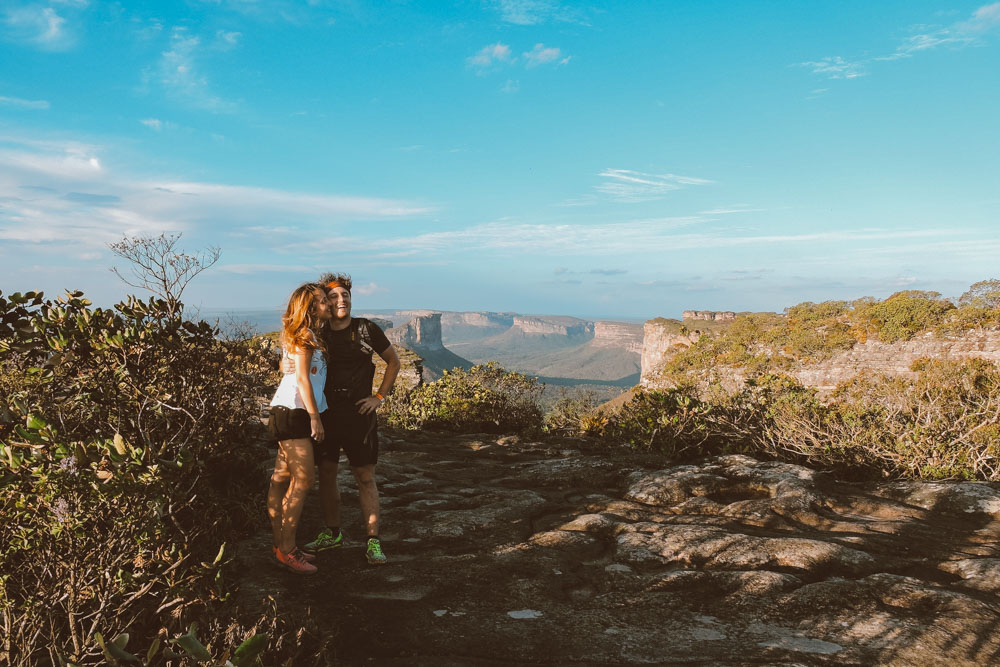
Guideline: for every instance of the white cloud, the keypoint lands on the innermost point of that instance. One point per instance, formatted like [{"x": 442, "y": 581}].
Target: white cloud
[
  {"x": 512, "y": 86},
  {"x": 542, "y": 54},
  {"x": 181, "y": 75},
  {"x": 489, "y": 56},
  {"x": 729, "y": 210},
  {"x": 957, "y": 35},
  {"x": 19, "y": 103},
  {"x": 629, "y": 186},
  {"x": 250, "y": 269},
  {"x": 369, "y": 289},
  {"x": 229, "y": 38},
  {"x": 153, "y": 123},
  {"x": 54, "y": 191},
  {"x": 835, "y": 67},
  {"x": 526, "y": 12},
  {"x": 659, "y": 235},
  {"x": 41, "y": 26}
]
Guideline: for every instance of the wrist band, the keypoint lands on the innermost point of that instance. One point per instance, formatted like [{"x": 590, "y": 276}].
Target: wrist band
[{"x": 380, "y": 397}]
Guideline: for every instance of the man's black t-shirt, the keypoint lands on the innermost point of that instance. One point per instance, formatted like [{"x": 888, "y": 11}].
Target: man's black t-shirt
[{"x": 349, "y": 358}]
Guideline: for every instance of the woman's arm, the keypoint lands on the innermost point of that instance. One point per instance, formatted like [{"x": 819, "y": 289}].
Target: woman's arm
[{"x": 303, "y": 363}]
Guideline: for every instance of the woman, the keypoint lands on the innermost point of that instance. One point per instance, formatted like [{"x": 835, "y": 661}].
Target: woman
[{"x": 296, "y": 421}]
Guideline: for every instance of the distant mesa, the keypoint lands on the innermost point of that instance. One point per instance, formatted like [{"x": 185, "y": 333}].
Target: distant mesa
[
  {"x": 423, "y": 331},
  {"x": 553, "y": 325},
  {"x": 422, "y": 335},
  {"x": 709, "y": 315},
  {"x": 619, "y": 334}
]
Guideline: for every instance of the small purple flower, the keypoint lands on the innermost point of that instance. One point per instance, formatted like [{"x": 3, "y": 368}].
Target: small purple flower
[
  {"x": 61, "y": 509},
  {"x": 68, "y": 465}
]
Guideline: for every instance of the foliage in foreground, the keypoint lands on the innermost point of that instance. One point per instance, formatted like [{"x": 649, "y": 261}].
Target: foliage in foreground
[
  {"x": 483, "y": 399},
  {"x": 126, "y": 468},
  {"x": 942, "y": 424}
]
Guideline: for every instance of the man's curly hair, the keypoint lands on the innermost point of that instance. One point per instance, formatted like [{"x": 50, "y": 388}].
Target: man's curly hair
[{"x": 342, "y": 278}]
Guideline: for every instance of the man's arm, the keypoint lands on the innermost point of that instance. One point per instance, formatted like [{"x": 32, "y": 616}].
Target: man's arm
[{"x": 391, "y": 360}]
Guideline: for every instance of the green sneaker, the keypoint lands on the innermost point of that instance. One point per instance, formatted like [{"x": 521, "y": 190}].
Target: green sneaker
[
  {"x": 324, "y": 541},
  {"x": 374, "y": 553}
]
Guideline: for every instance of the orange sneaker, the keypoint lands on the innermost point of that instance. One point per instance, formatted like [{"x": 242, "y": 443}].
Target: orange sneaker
[
  {"x": 294, "y": 561},
  {"x": 306, "y": 556}
]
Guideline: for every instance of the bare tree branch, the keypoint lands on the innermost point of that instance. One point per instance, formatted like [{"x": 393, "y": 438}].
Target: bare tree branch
[{"x": 157, "y": 265}]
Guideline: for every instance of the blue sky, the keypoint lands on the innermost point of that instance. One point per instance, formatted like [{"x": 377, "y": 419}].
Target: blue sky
[{"x": 602, "y": 159}]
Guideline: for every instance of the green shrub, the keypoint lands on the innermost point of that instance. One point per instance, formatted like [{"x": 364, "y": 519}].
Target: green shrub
[
  {"x": 483, "y": 399},
  {"x": 126, "y": 467},
  {"x": 568, "y": 413},
  {"x": 901, "y": 316}
]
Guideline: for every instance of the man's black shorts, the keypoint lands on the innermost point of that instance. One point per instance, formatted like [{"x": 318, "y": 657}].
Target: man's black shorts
[
  {"x": 289, "y": 423},
  {"x": 355, "y": 434}
]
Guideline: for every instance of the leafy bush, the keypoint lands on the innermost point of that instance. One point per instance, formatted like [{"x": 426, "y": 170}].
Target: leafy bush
[
  {"x": 900, "y": 316},
  {"x": 569, "y": 411},
  {"x": 485, "y": 398},
  {"x": 126, "y": 466}
]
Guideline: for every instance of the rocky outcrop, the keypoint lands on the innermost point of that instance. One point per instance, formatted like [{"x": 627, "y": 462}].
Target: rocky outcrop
[
  {"x": 897, "y": 358},
  {"x": 503, "y": 551},
  {"x": 558, "y": 326},
  {"x": 382, "y": 323},
  {"x": 422, "y": 336},
  {"x": 661, "y": 340},
  {"x": 709, "y": 315},
  {"x": 423, "y": 331},
  {"x": 625, "y": 335}
]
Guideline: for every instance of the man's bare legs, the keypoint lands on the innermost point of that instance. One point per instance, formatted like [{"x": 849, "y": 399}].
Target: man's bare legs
[
  {"x": 329, "y": 492},
  {"x": 368, "y": 496}
]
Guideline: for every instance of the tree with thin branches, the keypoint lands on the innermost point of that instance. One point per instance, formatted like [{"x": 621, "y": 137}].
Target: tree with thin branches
[{"x": 156, "y": 264}]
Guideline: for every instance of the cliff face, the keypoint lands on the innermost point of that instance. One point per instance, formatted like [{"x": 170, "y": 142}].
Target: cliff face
[
  {"x": 896, "y": 358},
  {"x": 660, "y": 342},
  {"x": 478, "y": 319},
  {"x": 619, "y": 334},
  {"x": 423, "y": 332},
  {"x": 559, "y": 326}
]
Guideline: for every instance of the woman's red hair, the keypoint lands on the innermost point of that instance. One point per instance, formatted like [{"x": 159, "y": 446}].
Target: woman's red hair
[{"x": 299, "y": 321}]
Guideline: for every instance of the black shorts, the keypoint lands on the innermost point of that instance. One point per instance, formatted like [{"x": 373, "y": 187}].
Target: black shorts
[
  {"x": 289, "y": 423},
  {"x": 355, "y": 434}
]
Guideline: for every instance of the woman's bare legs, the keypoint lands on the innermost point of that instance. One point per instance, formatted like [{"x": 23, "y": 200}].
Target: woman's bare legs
[
  {"x": 297, "y": 472},
  {"x": 276, "y": 493}
]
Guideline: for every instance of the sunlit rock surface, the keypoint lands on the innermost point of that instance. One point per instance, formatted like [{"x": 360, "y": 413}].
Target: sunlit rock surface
[{"x": 511, "y": 551}]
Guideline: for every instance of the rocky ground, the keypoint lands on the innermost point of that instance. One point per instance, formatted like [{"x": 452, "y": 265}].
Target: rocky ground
[{"x": 508, "y": 551}]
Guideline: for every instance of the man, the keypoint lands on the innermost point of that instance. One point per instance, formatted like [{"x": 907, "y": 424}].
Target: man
[{"x": 350, "y": 420}]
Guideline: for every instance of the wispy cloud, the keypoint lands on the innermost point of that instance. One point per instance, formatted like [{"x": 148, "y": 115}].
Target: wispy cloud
[
  {"x": 625, "y": 185},
  {"x": 63, "y": 192},
  {"x": 181, "y": 75},
  {"x": 512, "y": 86},
  {"x": 653, "y": 236},
  {"x": 957, "y": 35},
  {"x": 36, "y": 25},
  {"x": 490, "y": 56},
  {"x": 526, "y": 12},
  {"x": 157, "y": 124},
  {"x": 835, "y": 67},
  {"x": 970, "y": 32},
  {"x": 542, "y": 54},
  {"x": 228, "y": 38},
  {"x": 19, "y": 103},
  {"x": 369, "y": 289}
]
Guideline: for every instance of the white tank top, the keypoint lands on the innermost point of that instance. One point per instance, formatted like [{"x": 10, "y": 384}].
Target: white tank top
[{"x": 287, "y": 394}]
